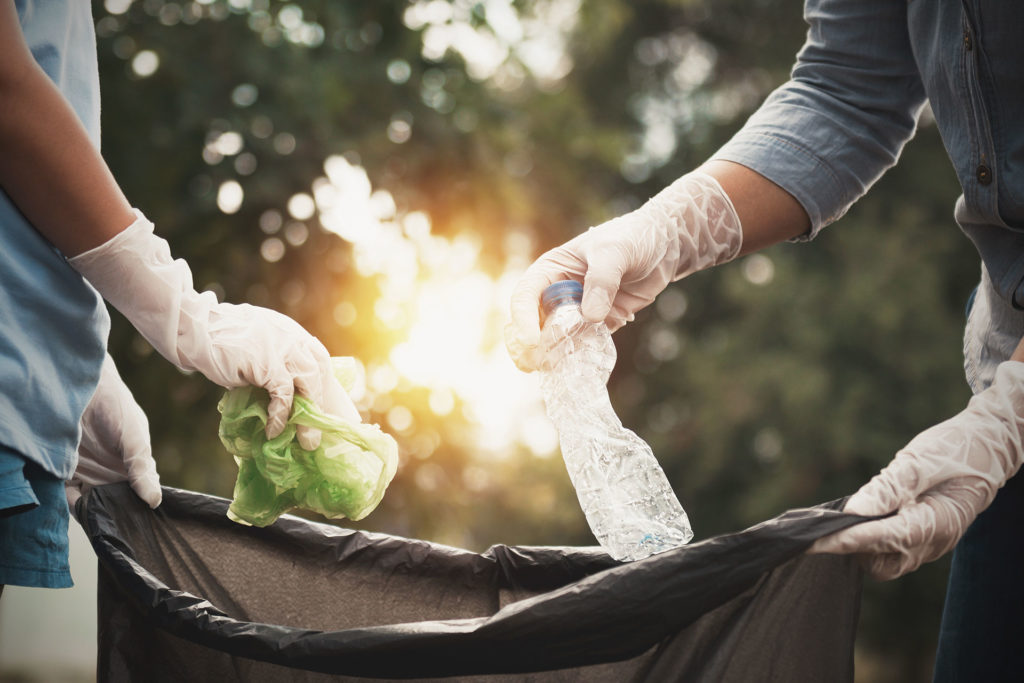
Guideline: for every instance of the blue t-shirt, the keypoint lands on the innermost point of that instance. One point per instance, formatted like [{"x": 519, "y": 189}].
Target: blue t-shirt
[{"x": 53, "y": 324}]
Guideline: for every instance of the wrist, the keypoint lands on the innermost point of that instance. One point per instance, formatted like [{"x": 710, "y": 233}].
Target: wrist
[
  {"x": 97, "y": 257},
  {"x": 135, "y": 273},
  {"x": 698, "y": 216}
]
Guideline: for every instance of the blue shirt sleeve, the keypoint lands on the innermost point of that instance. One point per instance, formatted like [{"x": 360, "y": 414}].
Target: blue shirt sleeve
[{"x": 842, "y": 119}]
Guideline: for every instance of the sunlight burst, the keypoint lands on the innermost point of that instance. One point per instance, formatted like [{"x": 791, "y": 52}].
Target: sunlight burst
[{"x": 447, "y": 314}]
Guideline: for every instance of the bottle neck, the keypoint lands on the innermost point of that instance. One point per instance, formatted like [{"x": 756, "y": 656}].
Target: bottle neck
[{"x": 566, "y": 310}]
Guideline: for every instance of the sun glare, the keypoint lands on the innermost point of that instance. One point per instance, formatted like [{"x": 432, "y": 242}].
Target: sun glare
[{"x": 446, "y": 312}]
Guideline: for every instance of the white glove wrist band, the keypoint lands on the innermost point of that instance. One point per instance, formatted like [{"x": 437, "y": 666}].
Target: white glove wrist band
[
  {"x": 232, "y": 345},
  {"x": 703, "y": 229},
  {"x": 134, "y": 271}
]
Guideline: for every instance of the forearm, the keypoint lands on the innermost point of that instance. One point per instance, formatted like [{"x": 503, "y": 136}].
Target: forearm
[
  {"x": 1018, "y": 353},
  {"x": 768, "y": 214},
  {"x": 49, "y": 166}
]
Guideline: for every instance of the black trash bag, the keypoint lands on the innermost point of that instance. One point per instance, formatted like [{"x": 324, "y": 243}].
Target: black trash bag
[{"x": 187, "y": 595}]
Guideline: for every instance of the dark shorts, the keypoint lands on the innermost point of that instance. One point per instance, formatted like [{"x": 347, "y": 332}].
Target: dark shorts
[{"x": 33, "y": 525}]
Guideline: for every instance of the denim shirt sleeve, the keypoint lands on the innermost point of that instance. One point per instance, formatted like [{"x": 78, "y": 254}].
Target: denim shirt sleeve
[{"x": 842, "y": 119}]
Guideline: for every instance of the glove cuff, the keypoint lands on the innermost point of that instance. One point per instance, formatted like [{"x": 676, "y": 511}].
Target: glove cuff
[
  {"x": 701, "y": 219},
  {"x": 135, "y": 273}
]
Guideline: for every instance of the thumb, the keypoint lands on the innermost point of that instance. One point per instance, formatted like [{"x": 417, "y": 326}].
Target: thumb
[
  {"x": 522, "y": 330},
  {"x": 600, "y": 285},
  {"x": 143, "y": 478},
  {"x": 137, "y": 453},
  {"x": 280, "y": 407},
  {"x": 891, "y": 488},
  {"x": 337, "y": 402}
]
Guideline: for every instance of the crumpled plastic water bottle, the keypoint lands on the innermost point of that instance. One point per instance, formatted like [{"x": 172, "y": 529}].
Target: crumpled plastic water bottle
[{"x": 625, "y": 495}]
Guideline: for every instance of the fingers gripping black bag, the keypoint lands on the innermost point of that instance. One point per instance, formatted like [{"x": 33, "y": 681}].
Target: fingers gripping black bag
[{"x": 185, "y": 594}]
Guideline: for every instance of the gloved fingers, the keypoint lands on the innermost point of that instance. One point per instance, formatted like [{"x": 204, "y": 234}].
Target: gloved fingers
[
  {"x": 336, "y": 400},
  {"x": 889, "y": 566},
  {"x": 309, "y": 437},
  {"x": 92, "y": 470},
  {"x": 141, "y": 471},
  {"x": 115, "y": 444},
  {"x": 601, "y": 283},
  {"x": 625, "y": 306},
  {"x": 308, "y": 379},
  {"x": 101, "y": 466},
  {"x": 281, "y": 388},
  {"x": 142, "y": 474},
  {"x": 891, "y": 547},
  {"x": 146, "y": 484},
  {"x": 137, "y": 450},
  {"x": 900, "y": 482},
  {"x": 522, "y": 341},
  {"x": 522, "y": 332},
  {"x": 878, "y": 536}
]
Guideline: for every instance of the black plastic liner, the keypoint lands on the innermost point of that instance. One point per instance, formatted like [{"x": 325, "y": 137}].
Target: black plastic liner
[{"x": 187, "y": 595}]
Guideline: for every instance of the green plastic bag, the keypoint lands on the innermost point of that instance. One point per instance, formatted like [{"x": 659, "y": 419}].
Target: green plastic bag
[{"x": 344, "y": 477}]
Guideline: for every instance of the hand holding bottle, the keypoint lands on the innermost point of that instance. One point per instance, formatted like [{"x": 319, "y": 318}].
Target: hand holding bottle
[{"x": 627, "y": 261}]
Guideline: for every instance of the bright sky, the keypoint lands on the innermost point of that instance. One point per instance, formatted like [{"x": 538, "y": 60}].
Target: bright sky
[{"x": 447, "y": 313}]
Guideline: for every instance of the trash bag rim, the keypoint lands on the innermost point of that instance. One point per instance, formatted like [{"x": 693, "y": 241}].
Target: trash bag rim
[{"x": 575, "y": 615}]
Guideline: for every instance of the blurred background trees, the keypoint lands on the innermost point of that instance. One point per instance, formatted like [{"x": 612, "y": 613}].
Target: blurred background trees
[{"x": 382, "y": 170}]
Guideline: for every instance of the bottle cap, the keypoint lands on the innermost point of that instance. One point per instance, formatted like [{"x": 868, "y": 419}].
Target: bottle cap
[{"x": 559, "y": 293}]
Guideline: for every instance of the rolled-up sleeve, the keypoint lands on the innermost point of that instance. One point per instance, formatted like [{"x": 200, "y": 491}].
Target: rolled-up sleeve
[{"x": 843, "y": 117}]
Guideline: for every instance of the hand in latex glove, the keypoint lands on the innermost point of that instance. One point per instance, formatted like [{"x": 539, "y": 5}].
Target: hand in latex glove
[
  {"x": 115, "y": 442},
  {"x": 232, "y": 345},
  {"x": 627, "y": 261},
  {"x": 938, "y": 483}
]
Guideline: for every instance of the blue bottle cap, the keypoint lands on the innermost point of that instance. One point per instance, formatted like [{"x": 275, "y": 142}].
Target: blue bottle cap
[{"x": 561, "y": 292}]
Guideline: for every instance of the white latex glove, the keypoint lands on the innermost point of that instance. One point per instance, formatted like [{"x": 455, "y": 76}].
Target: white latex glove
[
  {"x": 938, "y": 483},
  {"x": 115, "y": 442},
  {"x": 627, "y": 261},
  {"x": 232, "y": 345}
]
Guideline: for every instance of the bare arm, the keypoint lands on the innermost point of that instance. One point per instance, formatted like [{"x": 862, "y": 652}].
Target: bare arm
[
  {"x": 1018, "y": 353},
  {"x": 49, "y": 167},
  {"x": 768, "y": 214}
]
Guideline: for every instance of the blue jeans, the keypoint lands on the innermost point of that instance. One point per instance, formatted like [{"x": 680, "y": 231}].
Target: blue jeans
[{"x": 983, "y": 620}]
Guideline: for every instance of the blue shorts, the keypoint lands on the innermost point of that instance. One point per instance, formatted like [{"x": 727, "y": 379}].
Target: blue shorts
[{"x": 33, "y": 525}]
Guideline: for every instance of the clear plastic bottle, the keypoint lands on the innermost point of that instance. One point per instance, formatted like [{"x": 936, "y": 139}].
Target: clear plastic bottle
[{"x": 626, "y": 497}]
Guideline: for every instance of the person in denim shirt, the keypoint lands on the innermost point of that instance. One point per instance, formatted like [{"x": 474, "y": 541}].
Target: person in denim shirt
[
  {"x": 815, "y": 146},
  {"x": 69, "y": 237}
]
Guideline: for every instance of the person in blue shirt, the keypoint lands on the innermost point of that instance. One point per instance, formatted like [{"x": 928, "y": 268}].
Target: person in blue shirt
[
  {"x": 815, "y": 146},
  {"x": 70, "y": 239}
]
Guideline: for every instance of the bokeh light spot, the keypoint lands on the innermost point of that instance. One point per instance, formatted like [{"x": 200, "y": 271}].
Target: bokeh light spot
[
  {"x": 230, "y": 196},
  {"x": 758, "y": 269},
  {"x": 145, "y": 63},
  {"x": 244, "y": 95},
  {"x": 344, "y": 314},
  {"x": 399, "y": 131},
  {"x": 301, "y": 206},
  {"x": 400, "y": 418},
  {"x": 399, "y": 71},
  {"x": 284, "y": 143},
  {"x": 272, "y": 250}
]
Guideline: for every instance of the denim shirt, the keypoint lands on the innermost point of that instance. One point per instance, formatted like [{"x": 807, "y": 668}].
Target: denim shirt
[
  {"x": 854, "y": 97},
  {"x": 53, "y": 324}
]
